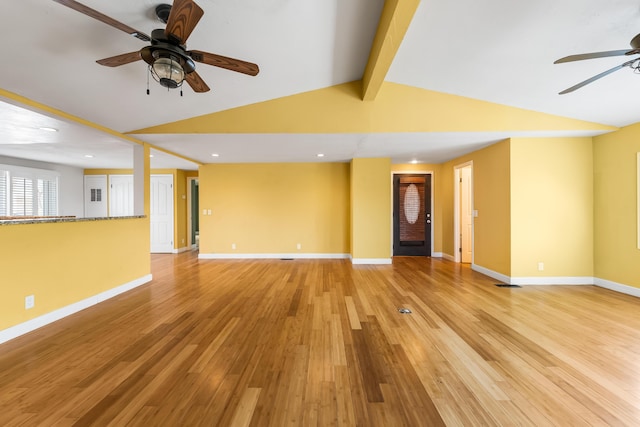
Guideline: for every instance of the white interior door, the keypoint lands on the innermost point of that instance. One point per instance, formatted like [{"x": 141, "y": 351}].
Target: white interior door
[
  {"x": 161, "y": 213},
  {"x": 120, "y": 195},
  {"x": 95, "y": 196},
  {"x": 466, "y": 215}
]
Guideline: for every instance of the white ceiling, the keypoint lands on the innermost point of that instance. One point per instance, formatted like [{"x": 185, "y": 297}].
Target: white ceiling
[{"x": 495, "y": 50}]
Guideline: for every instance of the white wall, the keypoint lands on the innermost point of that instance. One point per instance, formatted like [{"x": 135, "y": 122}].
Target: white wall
[{"x": 71, "y": 183}]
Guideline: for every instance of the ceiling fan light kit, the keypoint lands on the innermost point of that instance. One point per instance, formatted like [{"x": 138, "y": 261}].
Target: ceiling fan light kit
[
  {"x": 634, "y": 64},
  {"x": 169, "y": 61}
]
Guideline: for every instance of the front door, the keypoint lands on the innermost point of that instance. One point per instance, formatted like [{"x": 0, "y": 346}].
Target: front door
[{"x": 412, "y": 215}]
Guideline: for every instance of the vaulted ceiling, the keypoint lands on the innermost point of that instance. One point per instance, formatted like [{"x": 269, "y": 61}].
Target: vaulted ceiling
[{"x": 425, "y": 80}]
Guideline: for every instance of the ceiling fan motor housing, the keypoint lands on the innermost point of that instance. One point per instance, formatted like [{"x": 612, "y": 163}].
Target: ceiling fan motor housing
[{"x": 162, "y": 12}]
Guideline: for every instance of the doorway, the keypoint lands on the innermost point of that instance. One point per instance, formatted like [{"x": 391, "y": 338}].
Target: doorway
[
  {"x": 412, "y": 215},
  {"x": 464, "y": 213},
  {"x": 193, "y": 213}
]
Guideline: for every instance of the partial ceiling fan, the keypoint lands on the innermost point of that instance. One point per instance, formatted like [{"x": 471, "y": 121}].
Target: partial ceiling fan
[
  {"x": 633, "y": 63},
  {"x": 170, "y": 63}
]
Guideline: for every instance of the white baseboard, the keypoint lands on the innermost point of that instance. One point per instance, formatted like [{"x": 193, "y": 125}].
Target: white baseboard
[
  {"x": 45, "y": 319},
  {"x": 493, "y": 274},
  {"x": 618, "y": 287},
  {"x": 273, "y": 256},
  {"x": 436, "y": 254},
  {"x": 379, "y": 261},
  {"x": 180, "y": 250},
  {"x": 549, "y": 280},
  {"x": 449, "y": 257}
]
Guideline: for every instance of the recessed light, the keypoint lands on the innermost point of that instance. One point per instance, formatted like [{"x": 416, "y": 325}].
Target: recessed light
[
  {"x": 319, "y": 155},
  {"x": 150, "y": 155},
  {"x": 48, "y": 129},
  {"x": 215, "y": 155},
  {"x": 89, "y": 156},
  {"x": 414, "y": 161}
]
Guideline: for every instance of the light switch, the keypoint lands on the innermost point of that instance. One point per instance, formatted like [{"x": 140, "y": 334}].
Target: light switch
[
  {"x": 208, "y": 211},
  {"x": 475, "y": 213},
  {"x": 204, "y": 211}
]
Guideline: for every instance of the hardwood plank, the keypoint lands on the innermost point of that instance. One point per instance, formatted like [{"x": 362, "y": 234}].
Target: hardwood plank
[{"x": 320, "y": 342}]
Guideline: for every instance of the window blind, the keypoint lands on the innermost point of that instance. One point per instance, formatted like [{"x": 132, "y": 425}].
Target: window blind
[
  {"x": 4, "y": 191},
  {"x": 28, "y": 191},
  {"x": 47, "y": 197},
  {"x": 21, "y": 196}
]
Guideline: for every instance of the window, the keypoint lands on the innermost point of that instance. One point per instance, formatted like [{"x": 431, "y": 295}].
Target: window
[
  {"x": 28, "y": 192},
  {"x": 4, "y": 190}
]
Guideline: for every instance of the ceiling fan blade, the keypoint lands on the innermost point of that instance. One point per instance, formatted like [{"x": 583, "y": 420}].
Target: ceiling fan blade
[
  {"x": 596, "y": 77},
  {"x": 183, "y": 18},
  {"x": 224, "y": 62},
  {"x": 593, "y": 55},
  {"x": 116, "y": 61},
  {"x": 196, "y": 82},
  {"x": 86, "y": 10}
]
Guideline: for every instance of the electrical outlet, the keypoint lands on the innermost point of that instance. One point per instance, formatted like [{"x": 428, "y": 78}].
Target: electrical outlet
[
  {"x": 183, "y": 241},
  {"x": 233, "y": 246},
  {"x": 298, "y": 246},
  {"x": 540, "y": 266},
  {"x": 29, "y": 302}
]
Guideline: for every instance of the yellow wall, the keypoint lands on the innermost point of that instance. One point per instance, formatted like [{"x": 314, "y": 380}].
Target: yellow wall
[
  {"x": 552, "y": 207},
  {"x": 617, "y": 257},
  {"x": 492, "y": 200},
  {"x": 63, "y": 263},
  {"x": 436, "y": 190},
  {"x": 371, "y": 208},
  {"x": 397, "y": 108},
  {"x": 268, "y": 208}
]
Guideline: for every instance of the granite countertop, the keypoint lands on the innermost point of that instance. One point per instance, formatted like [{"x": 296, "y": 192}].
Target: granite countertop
[{"x": 40, "y": 220}]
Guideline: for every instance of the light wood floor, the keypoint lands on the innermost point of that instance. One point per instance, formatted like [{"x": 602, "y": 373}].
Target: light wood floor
[{"x": 320, "y": 342}]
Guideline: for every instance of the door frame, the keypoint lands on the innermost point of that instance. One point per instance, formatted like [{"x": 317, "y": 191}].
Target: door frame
[
  {"x": 456, "y": 212},
  {"x": 433, "y": 216},
  {"x": 190, "y": 179}
]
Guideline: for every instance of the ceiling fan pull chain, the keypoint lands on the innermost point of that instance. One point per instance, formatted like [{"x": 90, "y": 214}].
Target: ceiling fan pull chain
[{"x": 148, "y": 72}]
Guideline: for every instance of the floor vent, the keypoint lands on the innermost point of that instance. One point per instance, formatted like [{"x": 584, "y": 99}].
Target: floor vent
[
  {"x": 404, "y": 311},
  {"x": 502, "y": 285},
  {"x": 286, "y": 259}
]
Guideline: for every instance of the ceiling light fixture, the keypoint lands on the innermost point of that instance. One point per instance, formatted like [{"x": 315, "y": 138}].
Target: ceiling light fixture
[
  {"x": 48, "y": 129},
  {"x": 89, "y": 156},
  {"x": 414, "y": 161},
  {"x": 319, "y": 155},
  {"x": 215, "y": 155},
  {"x": 168, "y": 63},
  {"x": 168, "y": 72}
]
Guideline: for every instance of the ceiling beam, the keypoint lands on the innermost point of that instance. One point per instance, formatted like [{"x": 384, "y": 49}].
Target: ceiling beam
[{"x": 394, "y": 21}]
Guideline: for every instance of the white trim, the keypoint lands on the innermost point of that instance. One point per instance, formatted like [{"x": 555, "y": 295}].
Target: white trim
[
  {"x": 493, "y": 274},
  {"x": 45, "y": 319},
  {"x": 273, "y": 256},
  {"x": 561, "y": 280},
  {"x": 182, "y": 249},
  {"x": 618, "y": 287},
  {"x": 436, "y": 254},
  {"x": 378, "y": 261},
  {"x": 449, "y": 257}
]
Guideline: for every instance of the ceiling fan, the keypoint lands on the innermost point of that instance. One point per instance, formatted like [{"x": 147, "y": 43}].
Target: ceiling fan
[
  {"x": 633, "y": 63},
  {"x": 170, "y": 63}
]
